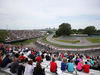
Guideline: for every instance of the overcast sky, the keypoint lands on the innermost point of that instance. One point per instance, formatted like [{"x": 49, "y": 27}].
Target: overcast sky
[{"x": 37, "y": 14}]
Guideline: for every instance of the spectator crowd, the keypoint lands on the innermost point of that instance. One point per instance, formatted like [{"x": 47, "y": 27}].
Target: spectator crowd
[
  {"x": 16, "y": 35},
  {"x": 20, "y": 60}
]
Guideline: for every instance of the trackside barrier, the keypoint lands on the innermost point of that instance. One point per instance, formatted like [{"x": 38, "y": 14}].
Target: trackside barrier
[{"x": 66, "y": 49}]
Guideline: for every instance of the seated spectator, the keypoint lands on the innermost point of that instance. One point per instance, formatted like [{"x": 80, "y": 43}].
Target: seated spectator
[
  {"x": 99, "y": 65},
  {"x": 21, "y": 67},
  {"x": 17, "y": 54},
  {"x": 47, "y": 57},
  {"x": 37, "y": 53},
  {"x": 0, "y": 60},
  {"x": 6, "y": 62},
  {"x": 64, "y": 65},
  {"x": 92, "y": 61},
  {"x": 59, "y": 57},
  {"x": 39, "y": 58},
  {"x": 52, "y": 56},
  {"x": 38, "y": 70},
  {"x": 76, "y": 60},
  {"x": 88, "y": 62},
  {"x": 70, "y": 66},
  {"x": 65, "y": 54},
  {"x": 95, "y": 66},
  {"x": 7, "y": 49},
  {"x": 14, "y": 66},
  {"x": 79, "y": 66},
  {"x": 80, "y": 59},
  {"x": 86, "y": 68},
  {"x": 71, "y": 57},
  {"x": 42, "y": 55},
  {"x": 62, "y": 55},
  {"x": 53, "y": 66},
  {"x": 28, "y": 53},
  {"x": 23, "y": 57},
  {"x": 2, "y": 49},
  {"x": 56, "y": 57},
  {"x": 32, "y": 56},
  {"x": 33, "y": 52},
  {"x": 29, "y": 68}
]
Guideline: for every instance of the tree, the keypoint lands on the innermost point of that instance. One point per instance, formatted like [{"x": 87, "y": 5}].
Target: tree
[
  {"x": 3, "y": 36},
  {"x": 64, "y": 29},
  {"x": 98, "y": 31},
  {"x": 89, "y": 30},
  {"x": 80, "y": 31},
  {"x": 50, "y": 32},
  {"x": 74, "y": 31}
]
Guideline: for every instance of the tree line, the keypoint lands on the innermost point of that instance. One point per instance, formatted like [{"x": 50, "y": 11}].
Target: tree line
[
  {"x": 3, "y": 36},
  {"x": 65, "y": 29}
]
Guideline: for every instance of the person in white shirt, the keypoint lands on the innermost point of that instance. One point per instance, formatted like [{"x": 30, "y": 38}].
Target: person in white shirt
[{"x": 29, "y": 68}]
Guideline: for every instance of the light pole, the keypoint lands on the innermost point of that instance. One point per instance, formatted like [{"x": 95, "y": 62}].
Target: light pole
[{"x": 7, "y": 27}]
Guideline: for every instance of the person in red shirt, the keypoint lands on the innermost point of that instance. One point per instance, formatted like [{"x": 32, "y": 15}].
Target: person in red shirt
[
  {"x": 32, "y": 52},
  {"x": 39, "y": 58},
  {"x": 53, "y": 66},
  {"x": 22, "y": 56},
  {"x": 7, "y": 49},
  {"x": 62, "y": 55},
  {"x": 86, "y": 68}
]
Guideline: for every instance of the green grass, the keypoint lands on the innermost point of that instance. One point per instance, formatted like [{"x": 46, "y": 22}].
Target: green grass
[
  {"x": 64, "y": 46},
  {"x": 44, "y": 39},
  {"x": 17, "y": 43},
  {"x": 93, "y": 40},
  {"x": 25, "y": 42},
  {"x": 68, "y": 41}
]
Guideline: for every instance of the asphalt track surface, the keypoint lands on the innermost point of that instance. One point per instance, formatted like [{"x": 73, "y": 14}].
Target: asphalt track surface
[{"x": 83, "y": 42}]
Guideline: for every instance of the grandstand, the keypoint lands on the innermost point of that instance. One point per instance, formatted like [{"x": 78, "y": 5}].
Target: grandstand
[
  {"x": 47, "y": 69},
  {"x": 17, "y": 35},
  {"x": 45, "y": 63}
]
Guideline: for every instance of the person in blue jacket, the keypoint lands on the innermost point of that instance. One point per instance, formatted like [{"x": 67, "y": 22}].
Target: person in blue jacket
[
  {"x": 64, "y": 65},
  {"x": 6, "y": 61}
]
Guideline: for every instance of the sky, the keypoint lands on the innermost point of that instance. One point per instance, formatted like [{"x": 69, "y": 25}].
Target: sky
[{"x": 38, "y": 14}]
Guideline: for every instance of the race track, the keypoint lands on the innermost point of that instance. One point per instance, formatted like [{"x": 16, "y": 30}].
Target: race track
[{"x": 83, "y": 41}]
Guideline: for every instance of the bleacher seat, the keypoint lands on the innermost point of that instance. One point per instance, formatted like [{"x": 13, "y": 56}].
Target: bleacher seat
[{"x": 47, "y": 69}]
